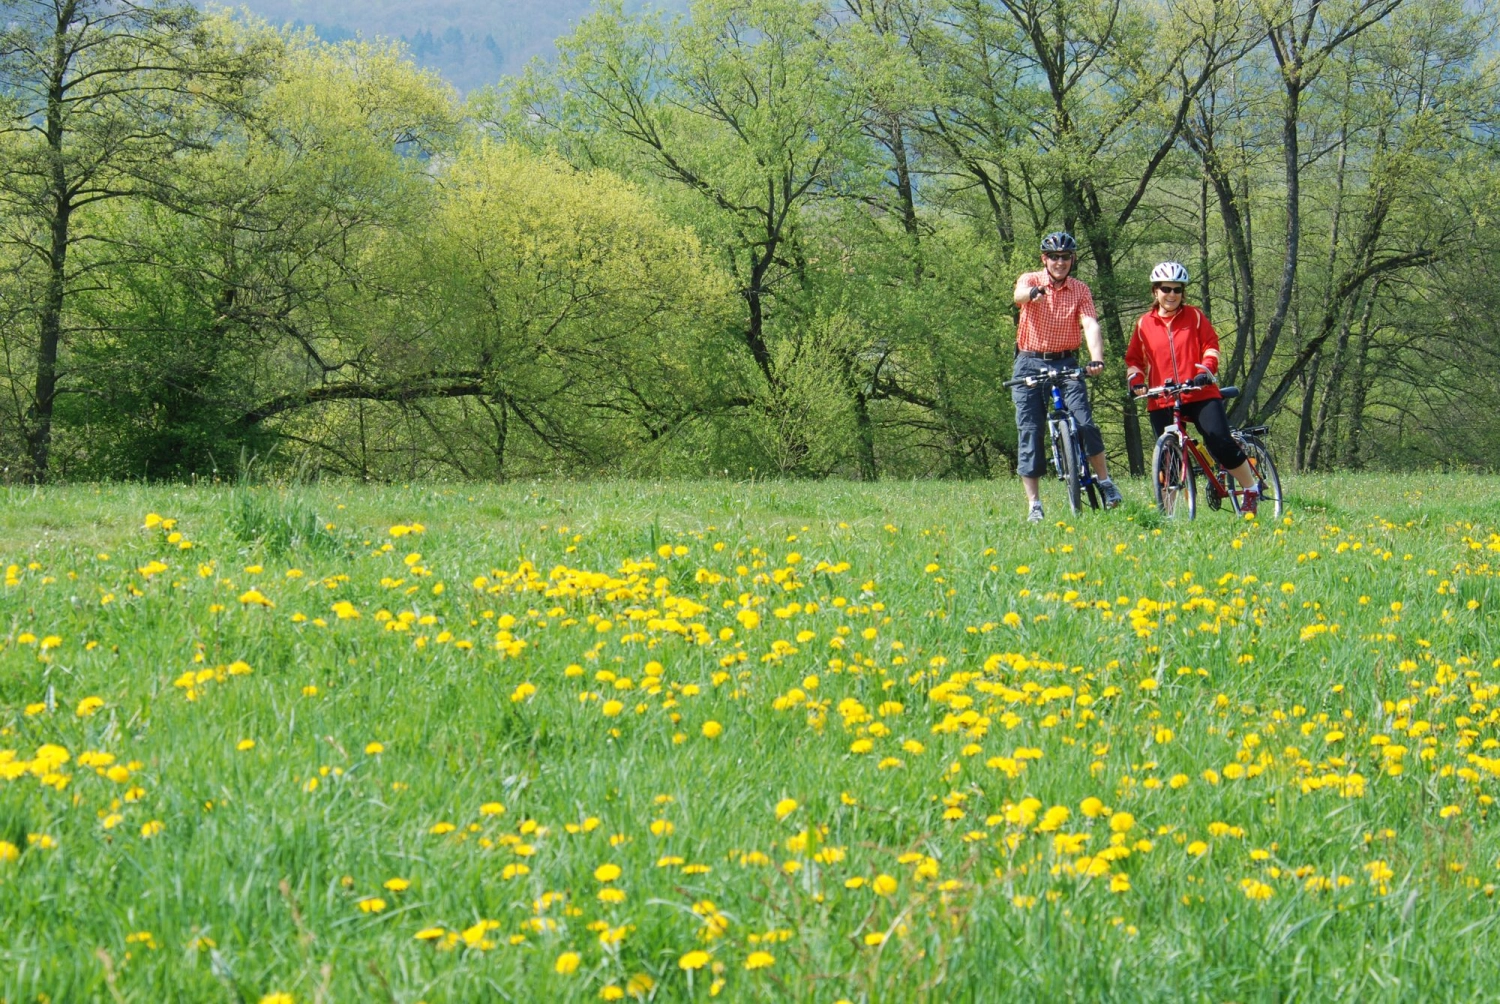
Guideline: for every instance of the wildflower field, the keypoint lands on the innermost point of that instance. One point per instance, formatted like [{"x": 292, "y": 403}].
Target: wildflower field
[{"x": 814, "y": 742}]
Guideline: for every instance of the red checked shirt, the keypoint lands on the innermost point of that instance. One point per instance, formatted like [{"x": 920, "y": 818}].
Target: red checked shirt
[
  {"x": 1173, "y": 348},
  {"x": 1054, "y": 323}
]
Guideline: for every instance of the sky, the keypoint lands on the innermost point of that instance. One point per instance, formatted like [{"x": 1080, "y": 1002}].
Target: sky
[{"x": 471, "y": 42}]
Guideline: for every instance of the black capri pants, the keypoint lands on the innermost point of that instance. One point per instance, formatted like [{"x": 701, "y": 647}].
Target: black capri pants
[{"x": 1213, "y": 425}]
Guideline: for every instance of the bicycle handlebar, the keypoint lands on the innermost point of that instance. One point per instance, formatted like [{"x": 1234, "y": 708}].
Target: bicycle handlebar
[
  {"x": 1046, "y": 377},
  {"x": 1174, "y": 387}
]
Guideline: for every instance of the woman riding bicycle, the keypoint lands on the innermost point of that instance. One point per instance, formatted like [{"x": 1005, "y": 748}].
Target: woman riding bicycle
[{"x": 1175, "y": 343}]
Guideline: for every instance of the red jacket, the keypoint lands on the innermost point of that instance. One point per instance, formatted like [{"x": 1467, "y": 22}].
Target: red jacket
[{"x": 1173, "y": 349}]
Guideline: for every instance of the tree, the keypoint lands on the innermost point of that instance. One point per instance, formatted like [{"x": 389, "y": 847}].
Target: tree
[
  {"x": 561, "y": 304},
  {"x": 103, "y": 95},
  {"x": 1303, "y": 37},
  {"x": 263, "y": 269},
  {"x": 739, "y": 114}
]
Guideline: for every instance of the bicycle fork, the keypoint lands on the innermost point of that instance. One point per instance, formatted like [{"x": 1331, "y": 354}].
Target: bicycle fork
[{"x": 1061, "y": 426}]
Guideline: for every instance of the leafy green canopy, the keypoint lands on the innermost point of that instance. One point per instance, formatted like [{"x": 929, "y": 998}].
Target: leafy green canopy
[{"x": 769, "y": 236}]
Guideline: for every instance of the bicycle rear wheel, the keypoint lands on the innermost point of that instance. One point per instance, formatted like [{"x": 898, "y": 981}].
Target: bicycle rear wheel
[
  {"x": 1067, "y": 465},
  {"x": 1265, "y": 474},
  {"x": 1172, "y": 479}
]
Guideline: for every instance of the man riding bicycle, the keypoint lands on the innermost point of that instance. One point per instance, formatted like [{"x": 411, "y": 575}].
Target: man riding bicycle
[
  {"x": 1175, "y": 343},
  {"x": 1055, "y": 309}
]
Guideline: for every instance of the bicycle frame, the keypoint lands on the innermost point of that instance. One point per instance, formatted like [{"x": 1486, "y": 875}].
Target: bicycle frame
[
  {"x": 1062, "y": 422},
  {"x": 1192, "y": 453},
  {"x": 1222, "y": 485}
]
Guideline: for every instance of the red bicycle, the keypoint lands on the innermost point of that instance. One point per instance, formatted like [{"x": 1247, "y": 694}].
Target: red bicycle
[{"x": 1177, "y": 454}]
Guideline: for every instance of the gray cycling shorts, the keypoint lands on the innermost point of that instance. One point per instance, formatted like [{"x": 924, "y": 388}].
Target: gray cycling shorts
[{"x": 1033, "y": 404}]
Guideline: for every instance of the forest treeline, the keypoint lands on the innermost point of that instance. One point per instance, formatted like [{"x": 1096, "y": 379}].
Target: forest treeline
[{"x": 773, "y": 236}]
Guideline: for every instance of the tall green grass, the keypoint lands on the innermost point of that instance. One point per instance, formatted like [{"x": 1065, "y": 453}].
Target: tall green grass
[{"x": 253, "y": 886}]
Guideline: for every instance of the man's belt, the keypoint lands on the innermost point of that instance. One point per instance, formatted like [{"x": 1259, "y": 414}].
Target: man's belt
[{"x": 1027, "y": 353}]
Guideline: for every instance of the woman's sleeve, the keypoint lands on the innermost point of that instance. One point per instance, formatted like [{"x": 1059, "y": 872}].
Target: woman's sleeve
[
  {"x": 1135, "y": 358},
  {"x": 1208, "y": 338}
]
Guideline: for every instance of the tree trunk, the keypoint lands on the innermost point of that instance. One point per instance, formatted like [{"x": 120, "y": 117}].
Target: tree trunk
[
  {"x": 1292, "y": 172},
  {"x": 1205, "y": 301},
  {"x": 499, "y": 413},
  {"x": 1359, "y": 387},
  {"x": 1316, "y": 430},
  {"x": 1333, "y": 392},
  {"x": 864, "y": 429},
  {"x": 1304, "y": 420},
  {"x": 1233, "y": 212},
  {"x": 952, "y": 446},
  {"x": 755, "y": 330},
  {"x": 1114, "y": 335},
  {"x": 39, "y": 435},
  {"x": 1108, "y": 304}
]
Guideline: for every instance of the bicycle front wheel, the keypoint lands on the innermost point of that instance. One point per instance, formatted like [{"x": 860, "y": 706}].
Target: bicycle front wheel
[
  {"x": 1265, "y": 474},
  {"x": 1067, "y": 465},
  {"x": 1172, "y": 479}
]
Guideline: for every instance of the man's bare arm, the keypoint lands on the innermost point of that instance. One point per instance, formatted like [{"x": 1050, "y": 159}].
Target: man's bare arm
[
  {"x": 1025, "y": 292},
  {"x": 1095, "y": 337}
]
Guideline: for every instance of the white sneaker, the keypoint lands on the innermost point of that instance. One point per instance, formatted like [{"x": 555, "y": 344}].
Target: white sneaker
[
  {"x": 1035, "y": 515},
  {"x": 1112, "y": 496}
]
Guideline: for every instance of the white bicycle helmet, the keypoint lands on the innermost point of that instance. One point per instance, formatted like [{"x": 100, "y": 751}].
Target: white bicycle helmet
[{"x": 1169, "y": 271}]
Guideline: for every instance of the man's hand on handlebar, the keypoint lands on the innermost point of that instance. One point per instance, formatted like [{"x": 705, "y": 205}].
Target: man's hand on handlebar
[
  {"x": 1037, "y": 291},
  {"x": 1094, "y": 368}
]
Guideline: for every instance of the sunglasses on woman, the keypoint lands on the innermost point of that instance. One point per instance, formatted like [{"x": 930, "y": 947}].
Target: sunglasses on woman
[{"x": 1173, "y": 290}]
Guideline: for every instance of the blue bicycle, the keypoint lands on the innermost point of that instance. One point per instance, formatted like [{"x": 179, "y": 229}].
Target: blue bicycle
[{"x": 1068, "y": 460}]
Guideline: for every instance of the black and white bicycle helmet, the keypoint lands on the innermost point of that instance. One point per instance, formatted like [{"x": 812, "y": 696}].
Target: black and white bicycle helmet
[
  {"x": 1058, "y": 241},
  {"x": 1169, "y": 271}
]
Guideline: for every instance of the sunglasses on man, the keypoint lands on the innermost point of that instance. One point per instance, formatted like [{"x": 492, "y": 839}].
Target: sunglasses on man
[{"x": 1059, "y": 257}]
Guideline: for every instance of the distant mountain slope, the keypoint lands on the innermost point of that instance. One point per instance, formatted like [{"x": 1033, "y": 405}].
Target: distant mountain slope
[{"x": 471, "y": 42}]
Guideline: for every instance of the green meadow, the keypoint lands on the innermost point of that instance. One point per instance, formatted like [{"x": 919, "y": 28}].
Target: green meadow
[{"x": 811, "y": 741}]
